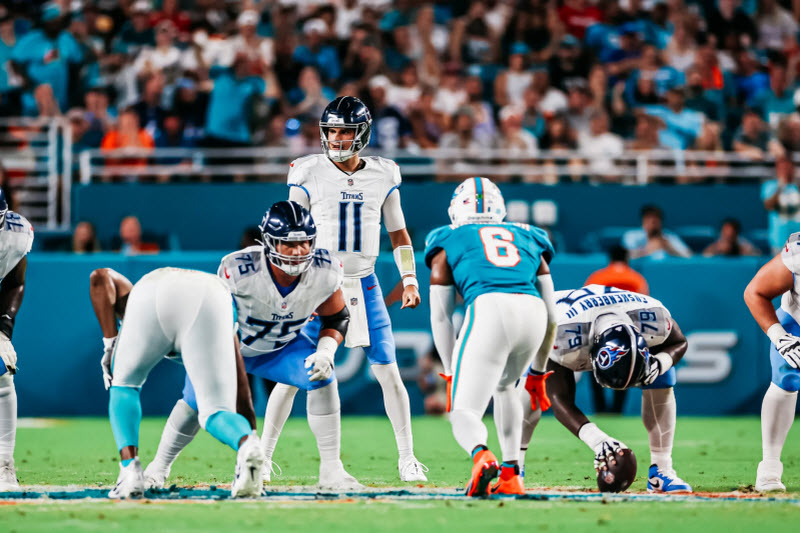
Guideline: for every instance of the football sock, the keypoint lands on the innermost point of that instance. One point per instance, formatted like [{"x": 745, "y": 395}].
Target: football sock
[
  {"x": 279, "y": 407},
  {"x": 529, "y": 422},
  {"x": 126, "y": 462},
  {"x": 398, "y": 409},
  {"x": 508, "y": 418},
  {"x": 125, "y": 414},
  {"x": 658, "y": 415},
  {"x": 507, "y": 471},
  {"x": 8, "y": 417},
  {"x": 228, "y": 428},
  {"x": 468, "y": 429},
  {"x": 777, "y": 415},
  {"x": 324, "y": 419},
  {"x": 181, "y": 427}
]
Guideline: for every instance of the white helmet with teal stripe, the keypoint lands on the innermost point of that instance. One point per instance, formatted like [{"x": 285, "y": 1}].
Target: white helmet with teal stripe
[{"x": 477, "y": 201}]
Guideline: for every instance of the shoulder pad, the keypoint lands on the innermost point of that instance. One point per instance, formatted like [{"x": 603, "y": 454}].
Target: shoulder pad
[
  {"x": 390, "y": 167},
  {"x": 241, "y": 264},
  {"x": 791, "y": 253},
  {"x": 329, "y": 265},
  {"x": 16, "y": 223},
  {"x": 298, "y": 167},
  {"x": 434, "y": 242}
]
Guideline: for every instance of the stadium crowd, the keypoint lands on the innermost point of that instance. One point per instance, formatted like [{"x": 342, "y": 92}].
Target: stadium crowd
[{"x": 523, "y": 75}]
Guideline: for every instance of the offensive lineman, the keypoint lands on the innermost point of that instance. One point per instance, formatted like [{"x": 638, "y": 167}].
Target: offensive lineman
[
  {"x": 628, "y": 340},
  {"x": 172, "y": 310},
  {"x": 276, "y": 289},
  {"x": 347, "y": 195},
  {"x": 776, "y": 278},
  {"x": 16, "y": 239},
  {"x": 501, "y": 270}
]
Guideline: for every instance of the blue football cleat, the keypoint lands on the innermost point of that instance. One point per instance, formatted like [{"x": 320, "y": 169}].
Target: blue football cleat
[{"x": 665, "y": 481}]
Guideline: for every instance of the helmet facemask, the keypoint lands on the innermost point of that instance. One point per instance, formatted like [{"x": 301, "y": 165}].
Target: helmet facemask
[
  {"x": 293, "y": 265},
  {"x": 346, "y": 148}
]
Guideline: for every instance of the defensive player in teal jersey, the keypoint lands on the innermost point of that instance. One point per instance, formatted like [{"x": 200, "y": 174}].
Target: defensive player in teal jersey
[{"x": 501, "y": 270}]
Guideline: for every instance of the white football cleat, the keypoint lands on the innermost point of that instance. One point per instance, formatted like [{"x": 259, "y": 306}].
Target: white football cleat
[
  {"x": 268, "y": 469},
  {"x": 333, "y": 476},
  {"x": 130, "y": 483},
  {"x": 768, "y": 477},
  {"x": 412, "y": 470},
  {"x": 155, "y": 478},
  {"x": 249, "y": 469},
  {"x": 8, "y": 477}
]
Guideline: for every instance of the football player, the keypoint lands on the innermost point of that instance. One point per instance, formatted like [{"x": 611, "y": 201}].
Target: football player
[
  {"x": 776, "y": 278},
  {"x": 627, "y": 340},
  {"x": 276, "y": 288},
  {"x": 172, "y": 311},
  {"x": 348, "y": 196},
  {"x": 16, "y": 239},
  {"x": 501, "y": 270}
]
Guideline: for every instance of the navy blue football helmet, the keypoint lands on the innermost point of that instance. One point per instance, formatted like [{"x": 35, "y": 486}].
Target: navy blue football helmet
[
  {"x": 620, "y": 357},
  {"x": 285, "y": 222},
  {"x": 345, "y": 112}
]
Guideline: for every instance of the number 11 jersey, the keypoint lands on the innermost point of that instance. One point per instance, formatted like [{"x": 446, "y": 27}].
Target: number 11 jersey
[{"x": 488, "y": 258}]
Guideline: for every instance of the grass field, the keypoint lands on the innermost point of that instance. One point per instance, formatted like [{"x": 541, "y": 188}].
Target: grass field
[{"x": 715, "y": 455}]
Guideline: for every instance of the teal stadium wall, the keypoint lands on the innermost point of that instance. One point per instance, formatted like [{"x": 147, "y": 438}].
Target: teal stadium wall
[{"x": 59, "y": 341}]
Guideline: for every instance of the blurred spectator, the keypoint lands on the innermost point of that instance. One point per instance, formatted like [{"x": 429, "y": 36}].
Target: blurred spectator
[
  {"x": 170, "y": 11},
  {"x": 407, "y": 93},
  {"x": 348, "y": 14},
  {"x": 149, "y": 109},
  {"x": 777, "y": 28},
  {"x": 532, "y": 119},
  {"x": 191, "y": 105},
  {"x": 789, "y": 133},
  {"x": 781, "y": 198},
  {"x": 256, "y": 47},
  {"x": 625, "y": 57},
  {"x": 400, "y": 53},
  {"x": 512, "y": 137},
  {"x": 83, "y": 136},
  {"x": 551, "y": 100},
  {"x": 316, "y": 53},
  {"x": 681, "y": 125},
  {"x": 753, "y": 140},
  {"x": 164, "y": 58},
  {"x": 778, "y": 99},
  {"x": 750, "y": 80},
  {"x": 652, "y": 240},
  {"x": 558, "y": 135},
  {"x": 568, "y": 63},
  {"x": 730, "y": 243},
  {"x": 137, "y": 31},
  {"x": 99, "y": 113},
  {"x": 727, "y": 19},
  {"x": 275, "y": 136},
  {"x": 579, "y": 106},
  {"x": 696, "y": 98},
  {"x": 463, "y": 134},
  {"x": 510, "y": 84},
  {"x": 427, "y": 124},
  {"x": 577, "y": 15},
  {"x": 309, "y": 97},
  {"x": 251, "y": 236},
  {"x": 682, "y": 47},
  {"x": 128, "y": 134},
  {"x": 600, "y": 146},
  {"x": 10, "y": 82},
  {"x": 173, "y": 134},
  {"x": 390, "y": 129},
  {"x": 485, "y": 129},
  {"x": 47, "y": 56},
  {"x": 130, "y": 241},
  {"x": 84, "y": 238},
  {"x": 450, "y": 94},
  {"x": 651, "y": 66}
]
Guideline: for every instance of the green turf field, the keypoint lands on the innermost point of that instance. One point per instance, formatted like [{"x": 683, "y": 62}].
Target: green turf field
[{"x": 714, "y": 454}]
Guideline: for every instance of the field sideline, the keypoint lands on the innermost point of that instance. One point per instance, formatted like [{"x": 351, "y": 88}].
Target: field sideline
[{"x": 715, "y": 455}]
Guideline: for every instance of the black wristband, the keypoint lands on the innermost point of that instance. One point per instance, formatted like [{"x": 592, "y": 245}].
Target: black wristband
[{"x": 7, "y": 325}]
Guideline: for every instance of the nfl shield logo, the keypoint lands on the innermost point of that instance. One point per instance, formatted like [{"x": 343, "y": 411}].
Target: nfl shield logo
[
  {"x": 283, "y": 305},
  {"x": 350, "y": 181},
  {"x": 353, "y": 301}
]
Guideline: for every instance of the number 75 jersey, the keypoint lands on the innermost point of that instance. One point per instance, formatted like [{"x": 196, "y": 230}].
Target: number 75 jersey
[
  {"x": 488, "y": 258},
  {"x": 577, "y": 310}
]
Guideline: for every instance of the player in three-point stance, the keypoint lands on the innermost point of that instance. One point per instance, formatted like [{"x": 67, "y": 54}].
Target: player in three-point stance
[
  {"x": 347, "y": 196},
  {"x": 776, "y": 278},
  {"x": 276, "y": 288},
  {"x": 628, "y": 340},
  {"x": 16, "y": 238},
  {"x": 186, "y": 312},
  {"x": 501, "y": 270}
]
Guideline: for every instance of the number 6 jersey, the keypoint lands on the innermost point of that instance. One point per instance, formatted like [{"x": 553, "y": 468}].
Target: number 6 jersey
[
  {"x": 267, "y": 319},
  {"x": 488, "y": 258},
  {"x": 577, "y": 310}
]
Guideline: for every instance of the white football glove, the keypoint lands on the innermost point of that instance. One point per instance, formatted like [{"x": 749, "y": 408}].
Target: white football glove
[
  {"x": 789, "y": 348},
  {"x": 8, "y": 354},
  {"x": 105, "y": 362},
  {"x": 604, "y": 453},
  {"x": 321, "y": 365},
  {"x": 659, "y": 364}
]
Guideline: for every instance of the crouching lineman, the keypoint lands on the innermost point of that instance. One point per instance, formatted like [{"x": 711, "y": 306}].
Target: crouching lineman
[
  {"x": 16, "y": 238},
  {"x": 188, "y": 312},
  {"x": 628, "y": 340},
  {"x": 501, "y": 270},
  {"x": 776, "y": 278},
  {"x": 277, "y": 288}
]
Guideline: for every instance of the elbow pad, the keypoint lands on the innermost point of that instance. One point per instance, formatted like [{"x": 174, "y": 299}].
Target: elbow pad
[{"x": 338, "y": 321}]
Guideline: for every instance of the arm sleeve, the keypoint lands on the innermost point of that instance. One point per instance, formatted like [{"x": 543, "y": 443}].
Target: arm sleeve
[
  {"x": 393, "y": 217},
  {"x": 547, "y": 291},
  {"x": 443, "y": 301}
]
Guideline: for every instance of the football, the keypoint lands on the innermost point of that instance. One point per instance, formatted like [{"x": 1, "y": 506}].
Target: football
[{"x": 620, "y": 473}]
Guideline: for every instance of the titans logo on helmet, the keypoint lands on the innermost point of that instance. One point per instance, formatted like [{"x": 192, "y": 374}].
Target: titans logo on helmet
[{"x": 609, "y": 355}]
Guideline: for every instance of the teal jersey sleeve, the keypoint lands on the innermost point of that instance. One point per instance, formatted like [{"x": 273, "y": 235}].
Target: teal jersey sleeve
[
  {"x": 542, "y": 240},
  {"x": 435, "y": 242}
]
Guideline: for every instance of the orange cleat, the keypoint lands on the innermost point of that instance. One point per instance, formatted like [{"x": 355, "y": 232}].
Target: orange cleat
[
  {"x": 510, "y": 485},
  {"x": 483, "y": 472}
]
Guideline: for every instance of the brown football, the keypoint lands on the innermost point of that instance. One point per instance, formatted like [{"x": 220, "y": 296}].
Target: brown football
[{"x": 620, "y": 473}]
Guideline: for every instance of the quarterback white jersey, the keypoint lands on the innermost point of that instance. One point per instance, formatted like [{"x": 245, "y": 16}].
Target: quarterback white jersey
[
  {"x": 16, "y": 239},
  {"x": 268, "y": 320},
  {"x": 790, "y": 301},
  {"x": 577, "y": 310},
  {"x": 347, "y": 208}
]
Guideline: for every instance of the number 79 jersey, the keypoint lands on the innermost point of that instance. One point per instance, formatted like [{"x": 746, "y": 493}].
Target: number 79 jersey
[
  {"x": 488, "y": 258},
  {"x": 577, "y": 310}
]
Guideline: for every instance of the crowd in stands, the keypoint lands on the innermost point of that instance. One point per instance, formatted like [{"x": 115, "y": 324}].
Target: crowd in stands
[{"x": 522, "y": 75}]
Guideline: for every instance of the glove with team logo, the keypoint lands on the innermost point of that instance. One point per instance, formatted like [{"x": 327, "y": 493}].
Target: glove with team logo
[
  {"x": 536, "y": 387},
  {"x": 659, "y": 364},
  {"x": 605, "y": 452},
  {"x": 8, "y": 354},
  {"x": 320, "y": 362},
  {"x": 788, "y": 345},
  {"x": 105, "y": 362}
]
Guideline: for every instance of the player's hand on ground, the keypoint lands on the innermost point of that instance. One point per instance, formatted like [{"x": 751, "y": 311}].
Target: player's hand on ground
[
  {"x": 8, "y": 354},
  {"x": 105, "y": 362},
  {"x": 320, "y": 365},
  {"x": 410, "y": 297},
  {"x": 788, "y": 347},
  {"x": 536, "y": 387},
  {"x": 605, "y": 452}
]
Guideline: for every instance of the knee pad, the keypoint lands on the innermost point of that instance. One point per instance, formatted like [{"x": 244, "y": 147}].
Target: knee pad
[
  {"x": 790, "y": 382},
  {"x": 324, "y": 400},
  {"x": 664, "y": 381}
]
